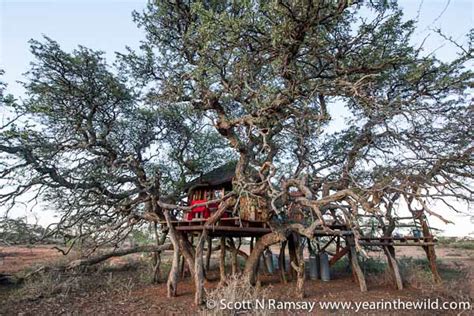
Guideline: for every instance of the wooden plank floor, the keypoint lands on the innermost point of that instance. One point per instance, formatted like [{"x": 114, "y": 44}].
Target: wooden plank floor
[
  {"x": 235, "y": 227},
  {"x": 397, "y": 241}
]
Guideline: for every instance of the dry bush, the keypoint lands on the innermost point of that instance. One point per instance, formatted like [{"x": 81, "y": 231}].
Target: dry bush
[
  {"x": 377, "y": 271},
  {"x": 49, "y": 283},
  {"x": 237, "y": 289},
  {"x": 42, "y": 281},
  {"x": 117, "y": 285},
  {"x": 416, "y": 274},
  {"x": 384, "y": 278},
  {"x": 455, "y": 285}
]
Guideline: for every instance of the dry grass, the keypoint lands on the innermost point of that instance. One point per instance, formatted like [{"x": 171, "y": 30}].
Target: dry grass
[
  {"x": 454, "y": 287},
  {"x": 49, "y": 283},
  {"x": 237, "y": 289},
  {"x": 119, "y": 278},
  {"x": 416, "y": 275}
]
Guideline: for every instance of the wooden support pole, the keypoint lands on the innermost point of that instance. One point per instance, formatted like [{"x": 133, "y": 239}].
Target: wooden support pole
[
  {"x": 356, "y": 267},
  {"x": 338, "y": 255},
  {"x": 187, "y": 250},
  {"x": 199, "y": 269},
  {"x": 430, "y": 251},
  {"x": 172, "y": 283},
  {"x": 222, "y": 261},
  {"x": 160, "y": 240},
  {"x": 393, "y": 266},
  {"x": 431, "y": 256},
  {"x": 292, "y": 253},
  {"x": 182, "y": 266},
  {"x": 282, "y": 262},
  {"x": 235, "y": 263},
  {"x": 208, "y": 253},
  {"x": 299, "y": 268},
  {"x": 250, "y": 271}
]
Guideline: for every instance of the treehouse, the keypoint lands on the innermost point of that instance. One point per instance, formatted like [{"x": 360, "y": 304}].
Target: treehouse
[
  {"x": 253, "y": 219},
  {"x": 214, "y": 185},
  {"x": 210, "y": 186}
]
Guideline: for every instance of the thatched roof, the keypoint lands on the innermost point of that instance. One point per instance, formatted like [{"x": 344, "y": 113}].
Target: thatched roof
[{"x": 215, "y": 177}]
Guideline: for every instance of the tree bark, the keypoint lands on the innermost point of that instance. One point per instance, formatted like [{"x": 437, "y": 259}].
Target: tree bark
[
  {"x": 393, "y": 266},
  {"x": 186, "y": 249},
  {"x": 172, "y": 283},
  {"x": 300, "y": 278},
  {"x": 208, "y": 254},
  {"x": 431, "y": 256},
  {"x": 116, "y": 253},
  {"x": 357, "y": 270},
  {"x": 237, "y": 251},
  {"x": 292, "y": 253},
  {"x": 299, "y": 267},
  {"x": 235, "y": 262},
  {"x": 282, "y": 262},
  {"x": 430, "y": 250},
  {"x": 199, "y": 269},
  {"x": 182, "y": 264},
  {"x": 267, "y": 240},
  {"x": 157, "y": 256},
  {"x": 222, "y": 261}
]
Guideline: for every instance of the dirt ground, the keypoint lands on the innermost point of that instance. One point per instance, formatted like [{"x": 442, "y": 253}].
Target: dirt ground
[
  {"x": 123, "y": 291},
  {"x": 15, "y": 259}
]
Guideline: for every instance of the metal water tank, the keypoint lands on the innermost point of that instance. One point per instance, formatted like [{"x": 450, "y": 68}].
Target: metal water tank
[
  {"x": 324, "y": 263},
  {"x": 313, "y": 266},
  {"x": 268, "y": 257}
]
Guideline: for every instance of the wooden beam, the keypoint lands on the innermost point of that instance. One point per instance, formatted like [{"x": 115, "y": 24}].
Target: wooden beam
[
  {"x": 383, "y": 244},
  {"x": 208, "y": 254},
  {"x": 430, "y": 251},
  {"x": 199, "y": 270},
  {"x": 338, "y": 255},
  {"x": 393, "y": 266},
  {"x": 356, "y": 267},
  {"x": 222, "y": 262},
  {"x": 225, "y": 228},
  {"x": 327, "y": 244},
  {"x": 282, "y": 262}
]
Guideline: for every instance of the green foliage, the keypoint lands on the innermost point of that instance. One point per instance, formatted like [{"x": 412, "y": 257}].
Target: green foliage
[
  {"x": 18, "y": 231},
  {"x": 142, "y": 237},
  {"x": 458, "y": 243},
  {"x": 257, "y": 79}
]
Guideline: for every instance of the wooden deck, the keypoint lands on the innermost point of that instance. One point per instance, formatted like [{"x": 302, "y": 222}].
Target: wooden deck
[
  {"x": 397, "y": 241},
  {"x": 235, "y": 227},
  {"x": 225, "y": 227}
]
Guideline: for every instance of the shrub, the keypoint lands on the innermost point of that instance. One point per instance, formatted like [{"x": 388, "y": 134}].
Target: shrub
[{"x": 238, "y": 289}]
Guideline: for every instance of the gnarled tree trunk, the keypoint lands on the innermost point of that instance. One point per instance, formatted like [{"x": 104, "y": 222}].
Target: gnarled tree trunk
[
  {"x": 172, "y": 283},
  {"x": 199, "y": 269},
  {"x": 251, "y": 265},
  {"x": 235, "y": 263},
  {"x": 208, "y": 253},
  {"x": 282, "y": 262}
]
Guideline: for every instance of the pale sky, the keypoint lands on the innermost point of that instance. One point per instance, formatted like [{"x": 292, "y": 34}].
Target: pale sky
[{"x": 107, "y": 25}]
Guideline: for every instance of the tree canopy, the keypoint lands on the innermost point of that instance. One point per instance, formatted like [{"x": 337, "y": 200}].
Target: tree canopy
[{"x": 260, "y": 81}]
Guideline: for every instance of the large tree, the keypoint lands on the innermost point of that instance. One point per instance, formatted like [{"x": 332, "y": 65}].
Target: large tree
[
  {"x": 273, "y": 74},
  {"x": 264, "y": 79},
  {"x": 86, "y": 142}
]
